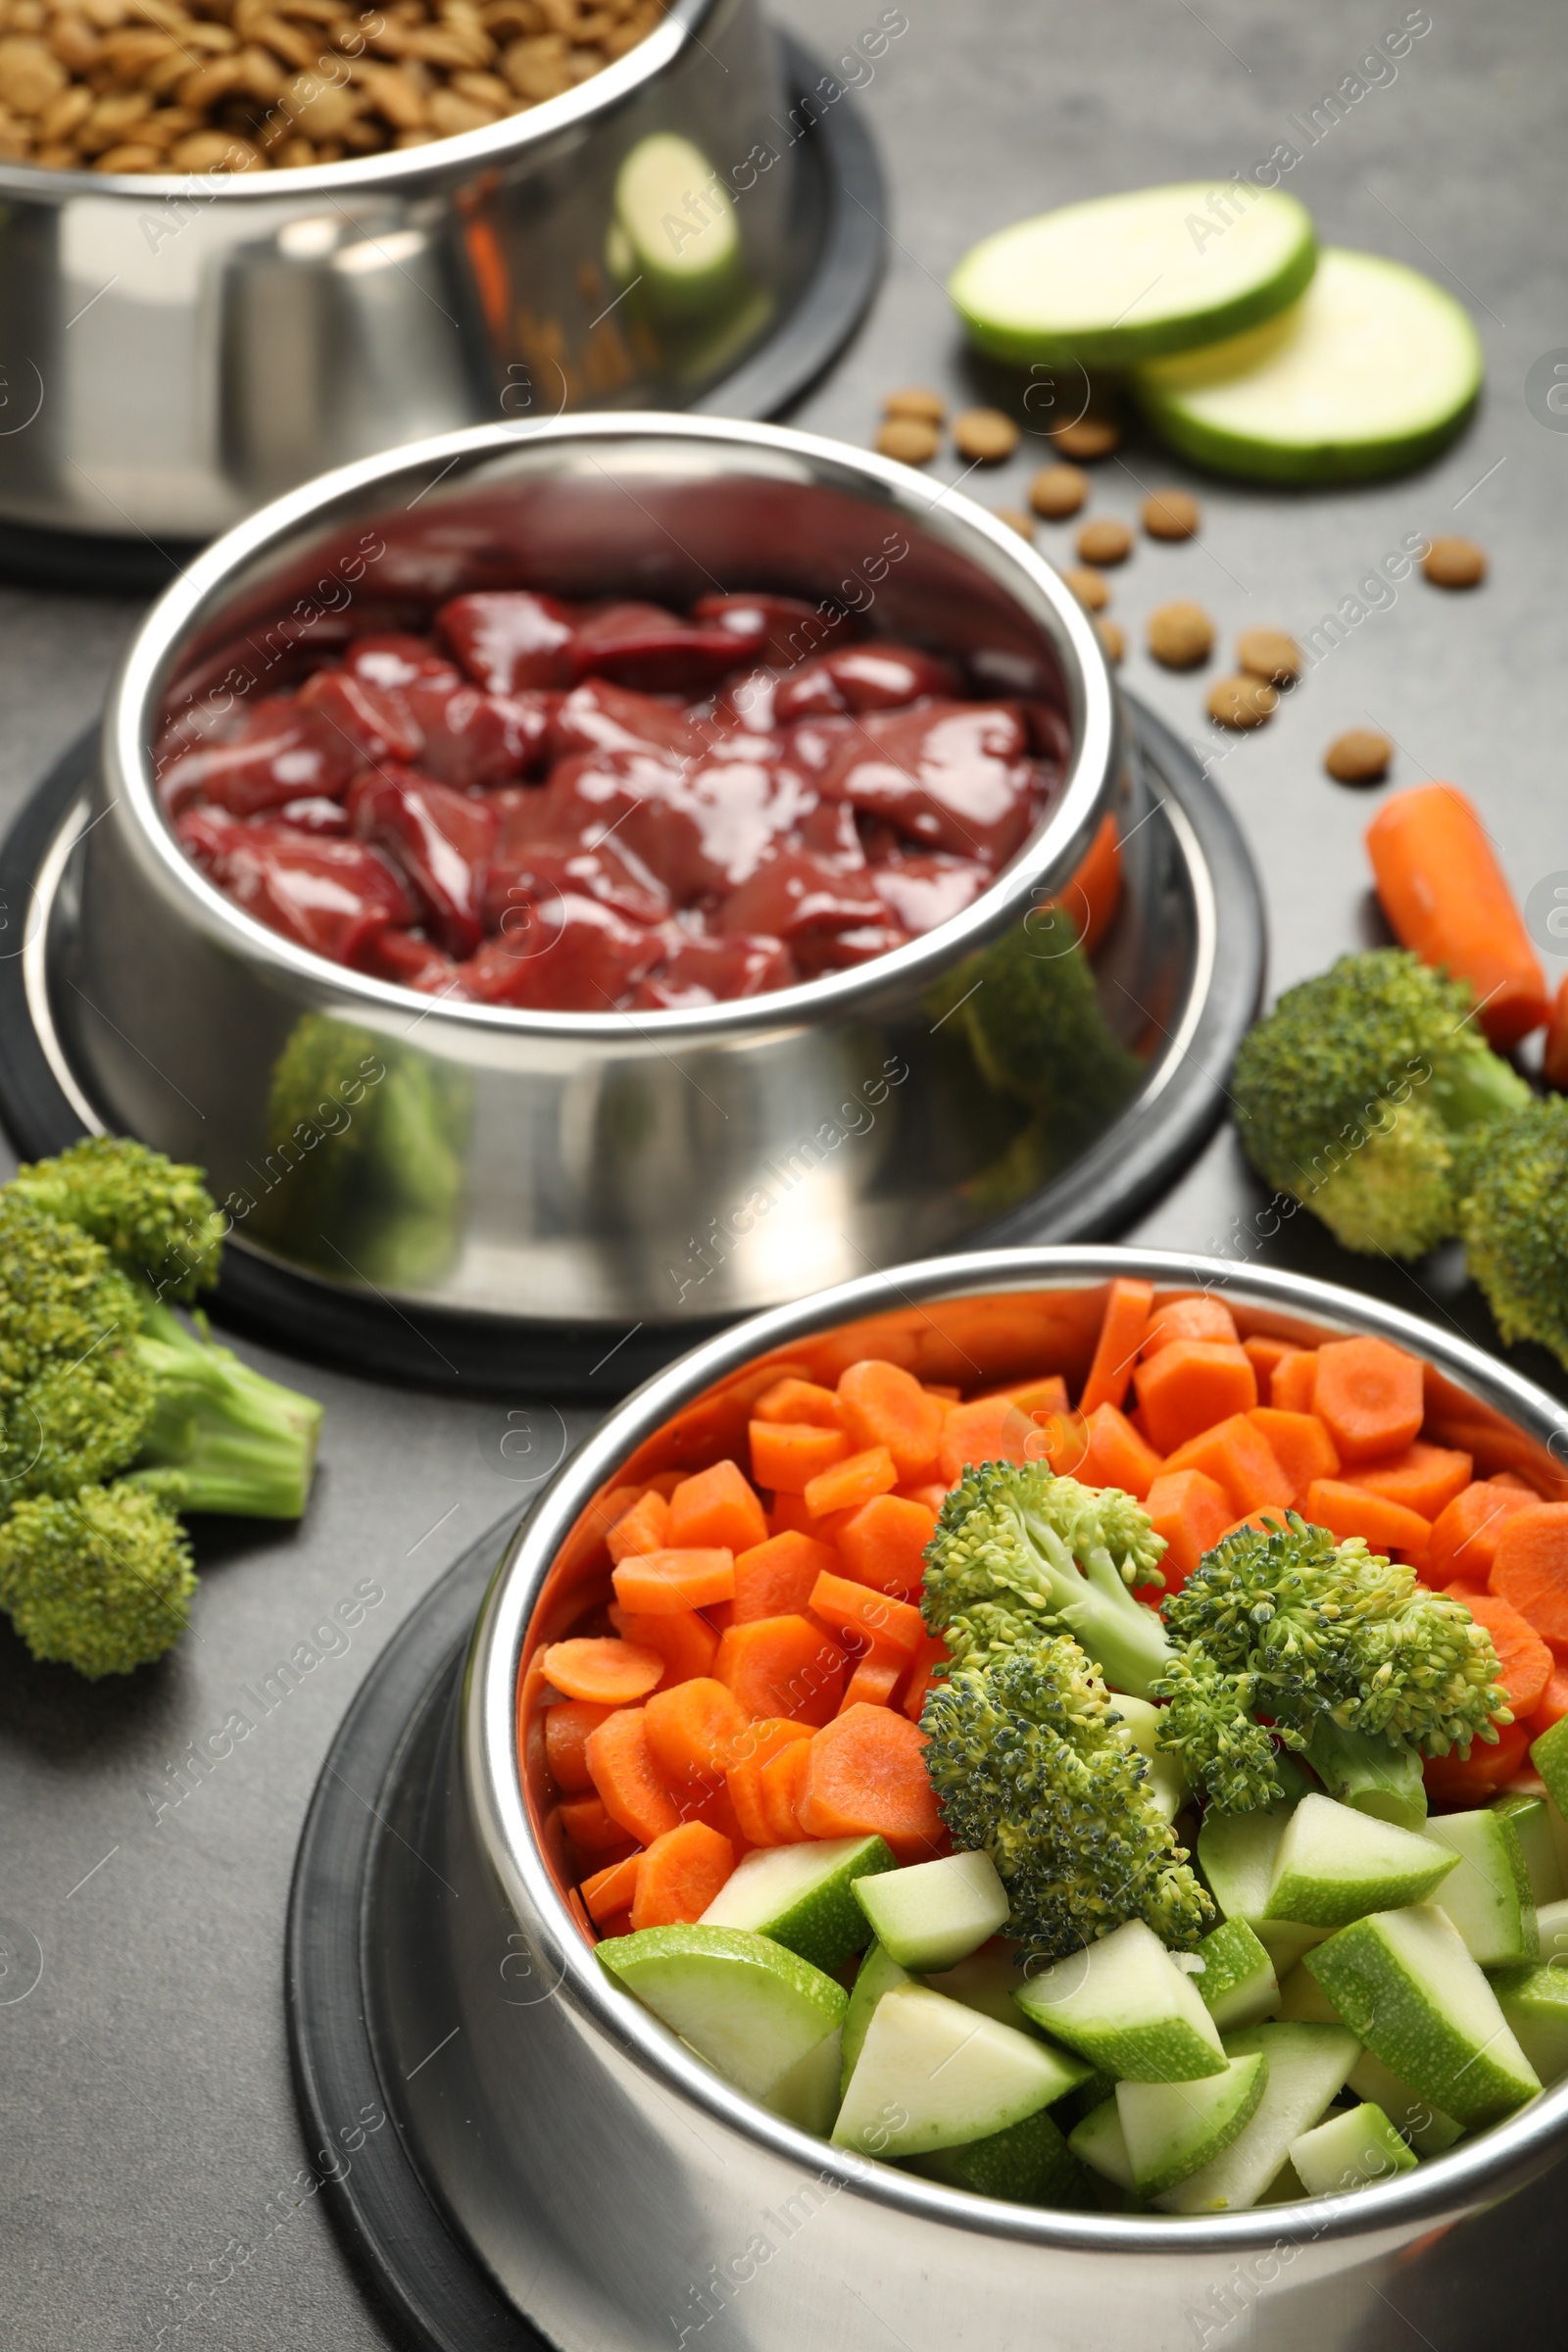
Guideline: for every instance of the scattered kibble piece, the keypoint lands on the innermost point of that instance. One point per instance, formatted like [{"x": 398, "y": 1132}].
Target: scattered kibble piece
[
  {"x": 1360, "y": 756},
  {"x": 1113, "y": 638},
  {"x": 1015, "y": 521},
  {"x": 1059, "y": 491},
  {"x": 1241, "y": 701},
  {"x": 1269, "y": 654},
  {"x": 1181, "y": 635},
  {"x": 1170, "y": 515},
  {"x": 1104, "y": 539},
  {"x": 910, "y": 439},
  {"x": 1090, "y": 439},
  {"x": 1453, "y": 562},
  {"x": 1091, "y": 588},
  {"x": 915, "y": 401},
  {"x": 985, "y": 434}
]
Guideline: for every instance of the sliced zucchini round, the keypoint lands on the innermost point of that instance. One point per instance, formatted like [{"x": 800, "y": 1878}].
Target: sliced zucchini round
[
  {"x": 1374, "y": 369},
  {"x": 1121, "y": 279}
]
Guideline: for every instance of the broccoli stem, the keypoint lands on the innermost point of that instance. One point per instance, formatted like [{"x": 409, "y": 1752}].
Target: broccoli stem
[
  {"x": 1477, "y": 1090},
  {"x": 1126, "y": 1639},
  {"x": 222, "y": 1437},
  {"x": 1371, "y": 1771}
]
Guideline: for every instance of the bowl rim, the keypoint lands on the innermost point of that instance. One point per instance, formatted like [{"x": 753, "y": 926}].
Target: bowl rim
[
  {"x": 1061, "y": 836},
  {"x": 400, "y": 169},
  {"x": 1498, "y": 2158}
]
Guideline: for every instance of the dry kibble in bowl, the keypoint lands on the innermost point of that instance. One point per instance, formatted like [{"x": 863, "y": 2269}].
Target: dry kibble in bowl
[
  {"x": 1091, "y": 588},
  {"x": 985, "y": 434},
  {"x": 1104, "y": 539},
  {"x": 915, "y": 401},
  {"x": 910, "y": 439},
  {"x": 1269, "y": 654},
  {"x": 1181, "y": 635},
  {"x": 1360, "y": 756},
  {"x": 1452, "y": 562},
  {"x": 1241, "y": 701},
  {"x": 1059, "y": 491},
  {"x": 1170, "y": 515},
  {"x": 1089, "y": 438}
]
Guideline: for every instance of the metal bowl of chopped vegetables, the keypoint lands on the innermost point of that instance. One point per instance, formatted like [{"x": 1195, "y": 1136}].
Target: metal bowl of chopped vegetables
[{"x": 618, "y": 2187}]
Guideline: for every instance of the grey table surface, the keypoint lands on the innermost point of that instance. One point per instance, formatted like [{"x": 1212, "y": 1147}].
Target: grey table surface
[{"x": 148, "y": 2118}]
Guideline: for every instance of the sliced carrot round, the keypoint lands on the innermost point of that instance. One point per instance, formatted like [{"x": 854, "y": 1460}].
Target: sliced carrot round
[{"x": 610, "y": 1673}]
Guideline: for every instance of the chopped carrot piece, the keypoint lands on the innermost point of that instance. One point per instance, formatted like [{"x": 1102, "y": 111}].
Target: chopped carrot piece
[
  {"x": 1116, "y": 1455},
  {"x": 790, "y": 1516},
  {"x": 567, "y": 1725},
  {"x": 590, "y": 1828},
  {"x": 1301, "y": 1444},
  {"x": 1202, "y": 1318},
  {"x": 1524, "y": 1660},
  {"x": 883, "y": 1545},
  {"x": 940, "y": 1390},
  {"x": 755, "y": 1746},
  {"x": 717, "y": 1510},
  {"x": 1094, "y": 890},
  {"x": 1293, "y": 1380},
  {"x": 792, "y": 1400},
  {"x": 1455, "y": 1780},
  {"x": 1370, "y": 1394},
  {"x": 610, "y": 1891},
  {"x": 684, "y": 1640},
  {"x": 1554, "y": 1704},
  {"x": 865, "y": 1776},
  {"x": 932, "y": 1653},
  {"x": 933, "y": 1497},
  {"x": 1122, "y": 1325},
  {"x": 873, "y": 1681},
  {"x": 612, "y": 1674},
  {"x": 990, "y": 1430},
  {"x": 775, "y": 1579},
  {"x": 870, "y": 1617},
  {"x": 1424, "y": 1478},
  {"x": 1192, "y": 1511},
  {"x": 1347, "y": 1511},
  {"x": 1446, "y": 896},
  {"x": 1263, "y": 1352},
  {"x": 854, "y": 1481},
  {"x": 659, "y": 1583},
  {"x": 1061, "y": 1442},
  {"x": 689, "y": 1728},
  {"x": 786, "y": 1455},
  {"x": 782, "y": 1780},
  {"x": 1466, "y": 1535},
  {"x": 679, "y": 1876},
  {"x": 782, "y": 1666},
  {"x": 641, "y": 1529},
  {"x": 882, "y": 1405},
  {"x": 1237, "y": 1456},
  {"x": 1191, "y": 1385},
  {"x": 629, "y": 1784},
  {"x": 1530, "y": 1569}
]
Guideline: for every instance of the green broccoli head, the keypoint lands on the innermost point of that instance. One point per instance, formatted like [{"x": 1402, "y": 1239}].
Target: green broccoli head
[
  {"x": 1016, "y": 1536},
  {"x": 155, "y": 1216},
  {"x": 1366, "y": 1094},
  {"x": 1030, "y": 1761},
  {"x": 74, "y": 1399},
  {"x": 101, "y": 1580},
  {"x": 1516, "y": 1227}
]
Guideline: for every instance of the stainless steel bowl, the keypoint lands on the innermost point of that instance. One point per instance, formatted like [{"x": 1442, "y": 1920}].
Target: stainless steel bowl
[
  {"x": 612, "y": 1167},
  {"x": 620, "y": 2192},
  {"x": 180, "y": 347}
]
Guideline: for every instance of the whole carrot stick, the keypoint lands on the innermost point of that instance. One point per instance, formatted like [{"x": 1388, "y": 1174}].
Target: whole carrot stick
[{"x": 1446, "y": 898}]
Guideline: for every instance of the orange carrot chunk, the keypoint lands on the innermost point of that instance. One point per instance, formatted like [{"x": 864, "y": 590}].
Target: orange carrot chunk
[
  {"x": 1466, "y": 1535},
  {"x": 932, "y": 1653},
  {"x": 1116, "y": 1455},
  {"x": 1424, "y": 1478},
  {"x": 868, "y": 1617},
  {"x": 782, "y": 1666},
  {"x": 641, "y": 1529},
  {"x": 610, "y": 1891},
  {"x": 1191, "y": 1385},
  {"x": 1530, "y": 1569},
  {"x": 865, "y": 1776},
  {"x": 1237, "y": 1456},
  {"x": 775, "y": 1579},
  {"x": 782, "y": 1779},
  {"x": 1456, "y": 1781},
  {"x": 1553, "y": 1704},
  {"x": 1293, "y": 1380},
  {"x": 1263, "y": 1353},
  {"x": 690, "y": 1730},
  {"x": 590, "y": 1827},
  {"x": 679, "y": 1876},
  {"x": 1301, "y": 1444},
  {"x": 1524, "y": 1661},
  {"x": 1446, "y": 898},
  {"x": 1347, "y": 1510},
  {"x": 992, "y": 1429},
  {"x": 1033, "y": 1396},
  {"x": 882, "y": 1405},
  {"x": 1094, "y": 890},
  {"x": 755, "y": 1746},
  {"x": 1192, "y": 1511},
  {"x": 684, "y": 1640},
  {"x": 1199, "y": 1318},
  {"x": 874, "y": 1681},
  {"x": 1370, "y": 1395},
  {"x": 883, "y": 1545},
  {"x": 567, "y": 1725},
  {"x": 717, "y": 1510},
  {"x": 786, "y": 1455},
  {"x": 612, "y": 1674},
  {"x": 792, "y": 1400},
  {"x": 1121, "y": 1329},
  {"x": 662, "y": 1582},
  {"x": 846, "y": 1484},
  {"x": 629, "y": 1784}
]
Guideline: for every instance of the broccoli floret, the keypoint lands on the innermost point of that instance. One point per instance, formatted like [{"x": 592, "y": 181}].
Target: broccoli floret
[
  {"x": 1039, "y": 1031},
  {"x": 1366, "y": 1094},
  {"x": 1030, "y": 1760},
  {"x": 154, "y": 1216},
  {"x": 1054, "y": 1552},
  {"x": 222, "y": 1437},
  {"x": 1290, "y": 1625},
  {"x": 100, "y": 1580},
  {"x": 1516, "y": 1227},
  {"x": 74, "y": 1397}
]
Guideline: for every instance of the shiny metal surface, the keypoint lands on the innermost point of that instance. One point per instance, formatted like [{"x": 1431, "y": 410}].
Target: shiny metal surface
[
  {"x": 612, "y": 1167},
  {"x": 179, "y": 347},
  {"x": 623, "y": 2195}
]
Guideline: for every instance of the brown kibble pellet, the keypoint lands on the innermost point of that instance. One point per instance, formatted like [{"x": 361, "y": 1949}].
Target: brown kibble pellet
[
  {"x": 1170, "y": 515},
  {"x": 1361, "y": 755},
  {"x": 1059, "y": 491},
  {"x": 985, "y": 434},
  {"x": 1090, "y": 439},
  {"x": 910, "y": 439},
  {"x": 1091, "y": 588},
  {"x": 1104, "y": 539},
  {"x": 1269, "y": 654},
  {"x": 915, "y": 401},
  {"x": 1452, "y": 562},
  {"x": 1113, "y": 638},
  {"x": 1015, "y": 521},
  {"x": 1181, "y": 635},
  {"x": 1241, "y": 701}
]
